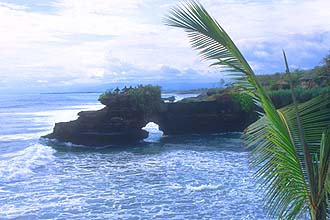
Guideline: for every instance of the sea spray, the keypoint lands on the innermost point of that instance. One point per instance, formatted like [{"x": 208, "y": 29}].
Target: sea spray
[{"x": 21, "y": 164}]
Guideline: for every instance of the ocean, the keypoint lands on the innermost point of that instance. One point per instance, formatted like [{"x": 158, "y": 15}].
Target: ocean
[{"x": 163, "y": 177}]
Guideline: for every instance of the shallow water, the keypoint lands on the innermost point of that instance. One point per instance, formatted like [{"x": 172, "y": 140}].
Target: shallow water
[{"x": 177, "y": 177}]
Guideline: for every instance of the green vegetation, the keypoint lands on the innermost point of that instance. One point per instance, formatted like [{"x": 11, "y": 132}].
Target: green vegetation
[
  {"x": 283, "y": 97},
  {"x": 291, "y": 145},
  {"x": 232, "y": 94},
  {"x": 318, "y": 76},
  {"x": 144, "y": 98},
  {"x": 245, "y": 101},
  {"x": 280, "y": 98}
]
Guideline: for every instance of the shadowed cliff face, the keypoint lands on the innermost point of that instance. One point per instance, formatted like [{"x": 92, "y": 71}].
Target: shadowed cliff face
[
  {"x": 121, "y": 122},
  {"x": 203, "y": 117}
]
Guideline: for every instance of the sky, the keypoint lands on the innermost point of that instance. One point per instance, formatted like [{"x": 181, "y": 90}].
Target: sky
[{"x": 47, "y": 44}]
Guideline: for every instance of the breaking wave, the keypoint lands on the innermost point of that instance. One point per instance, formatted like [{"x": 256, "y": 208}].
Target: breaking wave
[{"x": 22, "y": 164}]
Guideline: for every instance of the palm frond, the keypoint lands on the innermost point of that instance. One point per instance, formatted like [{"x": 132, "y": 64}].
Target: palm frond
[
  {"x": 208, "y": 37},
  {"x": 278, "y": 170},
  {"x": 323, "y": 168},
  {"x": 280, "y": 146},
  {"x": 315, "y": 118}
]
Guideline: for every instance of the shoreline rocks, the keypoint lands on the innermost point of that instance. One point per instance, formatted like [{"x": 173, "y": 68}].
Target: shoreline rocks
[
  {"x": 128, "y": 110},
  {"x": 122, "y": 124}
]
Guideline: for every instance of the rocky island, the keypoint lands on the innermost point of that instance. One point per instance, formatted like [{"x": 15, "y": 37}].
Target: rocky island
[{"x": 128, "y": 110}]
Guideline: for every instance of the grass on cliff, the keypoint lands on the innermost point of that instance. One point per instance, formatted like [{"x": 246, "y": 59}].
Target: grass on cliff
[
  {"x": 143, "y": 98},
  {"x": 280, "y": 97}
]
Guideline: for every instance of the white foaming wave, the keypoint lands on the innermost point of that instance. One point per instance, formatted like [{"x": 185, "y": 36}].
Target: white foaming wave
[
  {"x": 176, "y": 186},
  {"x": 202, "y": 187},
  {"x": 46, "y": 119},
  {"x": 152, "y": 127},
  {"x": 154, "y": 133},
  {"x": 179, "y": 97},
  {"x": 21, "y": 164},
  {"x": 68, "y": 144},
  {"x": 199, "y": 188}
]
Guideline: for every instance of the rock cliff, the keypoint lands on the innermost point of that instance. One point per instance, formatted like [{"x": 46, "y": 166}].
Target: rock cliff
[
  {"x": 203, "y": 117},
  {"x": 102, "y": 127},
  {"x": 124, "y": 116}
]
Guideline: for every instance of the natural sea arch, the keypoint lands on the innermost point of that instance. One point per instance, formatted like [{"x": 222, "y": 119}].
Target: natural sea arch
[{"x": 154, "y": 133}]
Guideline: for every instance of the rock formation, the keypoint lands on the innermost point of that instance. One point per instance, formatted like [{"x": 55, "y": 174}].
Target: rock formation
[
  {"x": 203, "y": 117},
  {"x": 124, "y": 116}
]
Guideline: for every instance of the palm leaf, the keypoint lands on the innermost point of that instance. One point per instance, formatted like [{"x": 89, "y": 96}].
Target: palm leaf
[
  {"x": 272, "y": 155},
  {"x": 213, "y": 43},
  {"x": 207, "y": 36},
  {"x": 280, "y": 145},
  {"x": 277, "y": 170},
  {"x": 314, "y": 115},
  {"x": 323, "y": 168}
]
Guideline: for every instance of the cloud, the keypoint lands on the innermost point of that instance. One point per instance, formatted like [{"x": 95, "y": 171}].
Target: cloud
[
  {"x": 303, "y": 51},
  {"x": 42, "y": 81},
  {"x": 82, "y": 41}
]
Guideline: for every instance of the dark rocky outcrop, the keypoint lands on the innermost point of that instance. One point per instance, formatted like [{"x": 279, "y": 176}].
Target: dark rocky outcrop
[
  {"x": 101, "y": 127},
  {"x": 203, "y": 117},
  {"x": 123, "y": 125},
  {"x": 123, "y": 118}
]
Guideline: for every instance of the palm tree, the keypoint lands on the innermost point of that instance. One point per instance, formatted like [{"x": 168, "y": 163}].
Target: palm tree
[{"x": 291, "y": 146}]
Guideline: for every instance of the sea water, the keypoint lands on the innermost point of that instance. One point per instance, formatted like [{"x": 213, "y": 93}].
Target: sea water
[{"x": 174, "y": 177}]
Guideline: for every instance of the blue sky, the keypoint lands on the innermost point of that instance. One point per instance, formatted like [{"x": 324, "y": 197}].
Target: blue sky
[{"x": 55, "y": 43}]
